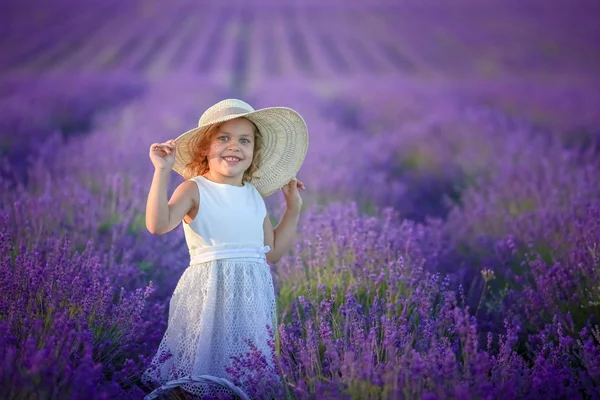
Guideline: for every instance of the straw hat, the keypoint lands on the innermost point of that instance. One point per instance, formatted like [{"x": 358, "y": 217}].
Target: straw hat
[{"x": 285, "y": 141}]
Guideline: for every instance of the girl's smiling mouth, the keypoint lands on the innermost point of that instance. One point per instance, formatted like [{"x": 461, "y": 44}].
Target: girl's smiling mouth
[{"x": 232, "y": 159}]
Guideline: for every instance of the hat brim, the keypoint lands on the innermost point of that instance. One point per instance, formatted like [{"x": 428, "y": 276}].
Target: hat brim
[{"x": 285, "y": 143}]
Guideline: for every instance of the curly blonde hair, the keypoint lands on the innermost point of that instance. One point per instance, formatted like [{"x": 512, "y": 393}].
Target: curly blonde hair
[{"x": 198, "y": 146}]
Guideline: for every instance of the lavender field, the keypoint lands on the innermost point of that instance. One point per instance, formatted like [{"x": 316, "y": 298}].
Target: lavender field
[{"x": 449, "y": 246}]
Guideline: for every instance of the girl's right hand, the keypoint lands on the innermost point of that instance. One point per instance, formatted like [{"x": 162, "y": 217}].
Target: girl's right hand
[{"x": 162, "y": 155}]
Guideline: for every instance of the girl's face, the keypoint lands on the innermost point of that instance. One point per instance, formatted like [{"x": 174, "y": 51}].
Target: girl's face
[{"x": 231, "y": 150}]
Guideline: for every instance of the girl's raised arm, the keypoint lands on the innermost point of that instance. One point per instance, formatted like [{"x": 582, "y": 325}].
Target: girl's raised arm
[
  {"x": 281, "y": 238},
  {"x": 163, "y": 216}
]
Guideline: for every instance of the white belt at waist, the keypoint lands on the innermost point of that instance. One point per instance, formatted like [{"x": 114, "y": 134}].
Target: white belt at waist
[{"x": 211, "y": 253}]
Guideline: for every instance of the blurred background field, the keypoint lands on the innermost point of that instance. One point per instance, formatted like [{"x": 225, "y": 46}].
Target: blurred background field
[{"x": 449, "y": 246}]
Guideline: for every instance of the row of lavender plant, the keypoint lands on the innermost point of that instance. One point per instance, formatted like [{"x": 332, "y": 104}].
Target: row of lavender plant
[
  {"x": 40, "y": 36},
  {"x": 184, "y": 39},
  {"x": 495, "y": 40},
  {"x": 33, "y": 109}
]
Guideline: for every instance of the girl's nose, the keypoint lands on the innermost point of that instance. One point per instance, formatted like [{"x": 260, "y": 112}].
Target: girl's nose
[{"x": 233, "y": 144}]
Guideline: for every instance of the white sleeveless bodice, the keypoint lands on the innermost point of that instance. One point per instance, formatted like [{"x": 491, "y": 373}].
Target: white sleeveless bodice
[{"x": 229, "y": 222}]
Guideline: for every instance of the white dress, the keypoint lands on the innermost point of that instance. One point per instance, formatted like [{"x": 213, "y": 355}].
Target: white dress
[{"x": 224, "y": 295}]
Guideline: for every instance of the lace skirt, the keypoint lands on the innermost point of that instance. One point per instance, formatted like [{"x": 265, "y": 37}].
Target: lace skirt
[{"x": 215, "y": 305}]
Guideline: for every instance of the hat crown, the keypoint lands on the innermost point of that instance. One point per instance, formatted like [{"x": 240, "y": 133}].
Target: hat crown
[{"x": 223, "y": 109}]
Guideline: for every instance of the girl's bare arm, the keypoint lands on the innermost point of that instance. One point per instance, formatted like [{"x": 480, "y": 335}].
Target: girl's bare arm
[
  {"x": 281, "y": 238},
  {"x": 163, "y": 216}
]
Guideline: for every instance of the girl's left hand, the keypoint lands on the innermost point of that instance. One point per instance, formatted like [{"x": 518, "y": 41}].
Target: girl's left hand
[{"x": 292, "y": 194}]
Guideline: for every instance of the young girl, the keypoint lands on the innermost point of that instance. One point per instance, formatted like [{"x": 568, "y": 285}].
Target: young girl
[{"x": 234, "y": 158}]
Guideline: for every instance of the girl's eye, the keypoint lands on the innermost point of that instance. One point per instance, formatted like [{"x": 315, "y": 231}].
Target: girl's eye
[
  {"x": 245, "y": 141},
  {"x": 222, "y": 138}
]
